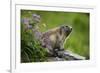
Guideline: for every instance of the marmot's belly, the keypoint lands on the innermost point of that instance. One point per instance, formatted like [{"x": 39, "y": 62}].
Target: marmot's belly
[{"x": 55, "y": 42}]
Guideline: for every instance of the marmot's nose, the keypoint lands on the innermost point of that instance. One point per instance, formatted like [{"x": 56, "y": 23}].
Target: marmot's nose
[{"x": 70, "y": 28}]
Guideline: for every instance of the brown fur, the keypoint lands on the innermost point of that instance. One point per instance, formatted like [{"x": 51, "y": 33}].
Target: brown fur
[{"x": 54, "y": 39}]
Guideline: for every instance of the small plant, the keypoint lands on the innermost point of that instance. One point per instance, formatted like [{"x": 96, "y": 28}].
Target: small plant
[{"x": 31, "y": 50}]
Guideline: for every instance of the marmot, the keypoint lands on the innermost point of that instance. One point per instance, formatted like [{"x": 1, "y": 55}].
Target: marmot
[{"x": 53, "y": 39}]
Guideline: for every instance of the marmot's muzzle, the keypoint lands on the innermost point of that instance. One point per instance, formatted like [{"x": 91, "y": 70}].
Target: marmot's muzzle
[{"x": 67, "y": 29}]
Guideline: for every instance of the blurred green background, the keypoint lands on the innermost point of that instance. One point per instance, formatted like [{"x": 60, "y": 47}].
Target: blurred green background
[{"x": 78, "y": 41}]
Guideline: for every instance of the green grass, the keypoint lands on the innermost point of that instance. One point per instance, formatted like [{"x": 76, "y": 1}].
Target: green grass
[{"x": 78, "y": 41}]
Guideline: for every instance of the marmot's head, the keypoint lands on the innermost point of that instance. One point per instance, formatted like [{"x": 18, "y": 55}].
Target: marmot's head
[{"x": 65, "y": 30}]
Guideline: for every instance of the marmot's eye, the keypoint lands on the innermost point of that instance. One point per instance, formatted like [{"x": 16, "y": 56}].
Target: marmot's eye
[
  {"x": 66, "y": 26},
  {"x": 70, "y": 28}
]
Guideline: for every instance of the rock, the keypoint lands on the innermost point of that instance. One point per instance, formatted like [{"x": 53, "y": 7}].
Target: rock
[
  {"x": 55, "y": 59},
  {"x": 70, "y": 55}
]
